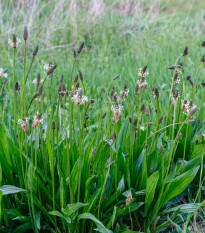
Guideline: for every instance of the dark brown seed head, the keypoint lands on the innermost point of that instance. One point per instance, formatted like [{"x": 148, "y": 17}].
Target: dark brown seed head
[
  {"x": 125, "y": 87},
  {"x": 186, "y": 52},
  {"x": 104, "y": 90},
  {"x": 147, "y": 112},
  {"x": 203, "y": 84},
  {"x": 16, "y": 86},
  {"x": 51, "y": 69},
  {"x": 63, "y": 87},
  {"x": 59, "y": 88},
  {"x": 53, "y": 125},
  {"x": 81, "y": 47},
  {"x": 113, "y": 136},
  {"x": 5, "y": 70},
  {"x": 135, "y": 122},
  {"x": 115, "y": 98},
  {"x": 92, "y": 101},
  {"x": 116, "y": 77},
  {"x": 160, "y": 119},
  {"x": 38, "y": 78},
  {"x": 104, "y": 115},
  {"x": 6, "y": 80},
  {"x": 39, "y": 116},
  {"x": 144, "y": 69},
  {"x": 74, "y": 54},
  {"x": 14, "y": 38},
  {"x": 161, "y": 147},
  {"x": 81, "y": 76},
  {"x": 197, "y": 141},
  {"x": 35, "y": 51},
  {"x": 203, "y": 59},
  {"x": 180, "y": 64},
  {"x": 142, "y": 108},
  {"x": 61, "y": 78},
  {"x": 203, "y": 44},
  {"x": 76, "y": 78},
  {"x": 146, "y": 146},
  {"x": 136, "y": 91},
  {"x": 25, "y": 33},
  {"x": 191, "y": 82},
  {"x": 188, "y": 77},
  {"x": 40, "y": 90}
]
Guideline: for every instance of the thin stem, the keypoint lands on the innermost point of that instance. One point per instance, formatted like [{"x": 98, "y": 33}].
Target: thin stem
[{"x": 29, "y": 68}]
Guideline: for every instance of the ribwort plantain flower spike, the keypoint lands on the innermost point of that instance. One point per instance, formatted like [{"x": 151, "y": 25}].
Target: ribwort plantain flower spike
[
  {"x": 81, "y": 47},
  {"x": 186, "y": 52},
  {"x": 16, "y": 86},
  {"x": 24, "y": 123},
  {"x": 116, "y": 77},
  {"x": 81, "y": 76},
  {"x": 25, "y": 33},
  {"x": 14, "y": 42},
  {"x": 51, "y": 70},
  {"x": 35, "y": 51},
  {"x": 37, "y": 120}
]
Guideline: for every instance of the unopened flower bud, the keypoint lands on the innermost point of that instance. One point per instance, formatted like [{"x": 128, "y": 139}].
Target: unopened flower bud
[
  {"x": 185, "y": 53},
  {"x": 35, "y": 51},
  {"x": 147, "y": 112},
  {"x": 116, "y": 77},
  {"x": 104, "y": 115},
  {"x": 76, "y": 78},
  {"x": 53, "y": 125},
  {"x": 81, "y": 76},
  {"x": 51, "y": 69},
  {"x": 61, "y": 78},
  {"x": 16, "y": 86},
  {"x": 74, "y": 54},
  {"x": 25, "y": 33},
  {"x": 81, "y": 47},
  {"x": 191, "y": 113}
]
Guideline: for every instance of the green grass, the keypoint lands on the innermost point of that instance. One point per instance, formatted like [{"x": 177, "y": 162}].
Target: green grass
[{"x": 64, "y": 177}]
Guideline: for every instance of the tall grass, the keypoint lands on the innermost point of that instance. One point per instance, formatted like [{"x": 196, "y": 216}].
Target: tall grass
[{"x": 129, "y": 157}]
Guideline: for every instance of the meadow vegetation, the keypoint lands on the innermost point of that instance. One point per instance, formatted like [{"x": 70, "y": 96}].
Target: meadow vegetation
[{"x": 102, "y": 116}]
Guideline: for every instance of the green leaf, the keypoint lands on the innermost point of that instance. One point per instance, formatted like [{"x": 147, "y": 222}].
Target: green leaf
[
  {"x": 150, "y": 191},
  {"x": 177, "y": 186},
  {"x": 58, "y": 214},
  {"x": 101, "y": 227},
  {"x": 10, "y": 189},
  {"x": 185, "y": 208},
  {"x": 71, "y": 208}
]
